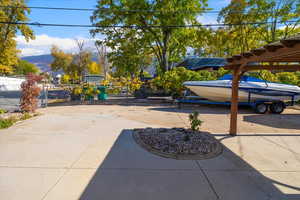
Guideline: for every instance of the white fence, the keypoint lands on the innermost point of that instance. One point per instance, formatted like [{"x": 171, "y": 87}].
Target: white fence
[{"x": 10, "y": 84}]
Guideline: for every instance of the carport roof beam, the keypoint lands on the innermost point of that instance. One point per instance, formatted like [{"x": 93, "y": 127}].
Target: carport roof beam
[{"x": 286, "y": 51}]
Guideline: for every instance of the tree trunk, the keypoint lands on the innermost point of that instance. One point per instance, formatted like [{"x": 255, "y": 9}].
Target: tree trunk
[
  {"x": 164, "y": 63},
  {"x": 165, "y": 53}
]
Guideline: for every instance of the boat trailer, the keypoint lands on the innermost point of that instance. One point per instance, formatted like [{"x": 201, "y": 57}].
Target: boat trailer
[{"x": 259, "y": 106}]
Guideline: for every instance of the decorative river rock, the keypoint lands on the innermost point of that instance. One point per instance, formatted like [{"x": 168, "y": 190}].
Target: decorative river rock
[{"x": 178, "y": 143}]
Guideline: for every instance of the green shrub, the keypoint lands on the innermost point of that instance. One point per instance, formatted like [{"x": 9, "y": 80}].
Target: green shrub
[
  {"x": 25, "y": 116},
  {"x": 292, "y": 78},
  {"x": 5, "y": 123},
  {"x": 24, "y": 67},
  {"x": 90, "y": 90},
  {"x": 221, "y": 72},
  {"x": 265, "y": 75},
  {"x": 171, "y": 81},
  {"x": 77, "y": 90},
  {"x": 65, "y": 79},
  {"x": 195, "y": 123},
  {"x": 2, "y": 111},
  {"x": 288, "y": 78}
]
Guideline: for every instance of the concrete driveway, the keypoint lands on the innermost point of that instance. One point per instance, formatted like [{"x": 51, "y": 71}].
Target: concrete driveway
[{"x": 87, "y": 152}]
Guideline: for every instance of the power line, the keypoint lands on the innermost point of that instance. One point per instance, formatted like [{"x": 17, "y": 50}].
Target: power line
[
  {"x": 140, "y": 27},
  {"x": 49, "y": 8},
  {"x": 101, "y": 9},
  {"x": 119, "y": 10}
]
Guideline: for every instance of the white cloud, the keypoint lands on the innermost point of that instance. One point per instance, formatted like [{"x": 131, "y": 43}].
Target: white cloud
[
  {"x": 43, "y": 43},
  {"x": 207, "y": 19},
  {"x": 45, "y": 40},
  {"x": 31, "y": 51}
]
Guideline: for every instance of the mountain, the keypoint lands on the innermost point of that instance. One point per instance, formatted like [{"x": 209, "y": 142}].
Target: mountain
[{"x": 43, "y": 61}]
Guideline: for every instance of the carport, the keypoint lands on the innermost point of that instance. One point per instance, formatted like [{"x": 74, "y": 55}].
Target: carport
[{"x": 281, "y": 55}]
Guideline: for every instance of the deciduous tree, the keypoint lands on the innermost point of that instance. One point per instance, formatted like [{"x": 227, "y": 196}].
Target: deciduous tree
[
  {"x": 257, "y": 22},
  {"x": 12, "y": 13},
  {"x": 74, "y": 65},
  {"x": 94, "y": 68},
  {"x": 148, "y": 21},
  {"x": 24, "y": 67}
]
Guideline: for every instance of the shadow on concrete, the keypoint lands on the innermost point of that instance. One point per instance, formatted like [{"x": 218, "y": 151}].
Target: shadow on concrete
[
  {"x": 130, "y": 172},
  {"x": 227, "y": 136},
  {"x": 121, "y": 101},
  {"x": 203, "y": 109},
  {"x": 287, "y": 121}
]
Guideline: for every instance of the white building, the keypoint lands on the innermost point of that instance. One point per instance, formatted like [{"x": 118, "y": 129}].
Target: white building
[{"x": 10, "y": 84}]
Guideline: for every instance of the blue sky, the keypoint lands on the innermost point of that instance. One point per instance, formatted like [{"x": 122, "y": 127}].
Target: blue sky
[{"x": 64, "y": 36}]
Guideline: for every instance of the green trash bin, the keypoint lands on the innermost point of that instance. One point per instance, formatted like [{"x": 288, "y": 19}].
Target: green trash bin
[{"x": 102, "y": 95}]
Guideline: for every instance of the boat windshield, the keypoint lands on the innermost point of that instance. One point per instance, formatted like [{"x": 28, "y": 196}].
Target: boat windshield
[{"x": 243, "y": 78}]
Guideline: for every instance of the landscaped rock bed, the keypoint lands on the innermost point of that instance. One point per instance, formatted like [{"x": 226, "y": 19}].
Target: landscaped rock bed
[{"x": 178, "y": 143}]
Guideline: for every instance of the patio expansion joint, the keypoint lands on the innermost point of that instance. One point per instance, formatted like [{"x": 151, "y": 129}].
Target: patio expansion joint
[
  {"x": 295, "y": 154},
  {"x": 248, "y": 170},
  {"x": 35, "y": 167},
  {"x": 208, "y": 181},
  {"x": 181, "y": 119},
  {"x": 149, "y": 169},
  {"x": 281, "y": 146},
  {"x": 66, "y": 171}
]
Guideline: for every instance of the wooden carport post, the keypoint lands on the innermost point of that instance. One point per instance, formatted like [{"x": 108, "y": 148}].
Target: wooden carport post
[
  {"x": 285, "y": 51},
  {"x": 234, "y": 100}
]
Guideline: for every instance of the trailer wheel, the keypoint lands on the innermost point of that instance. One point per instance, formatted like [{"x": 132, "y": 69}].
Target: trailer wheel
[
  {"x": 179, "y": 105},
  {"x": 261, "y": 108},
  {"x": 277, "y": 107}
]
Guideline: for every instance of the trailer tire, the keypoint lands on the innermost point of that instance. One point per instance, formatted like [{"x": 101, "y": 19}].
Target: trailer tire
[
  {"x": 261, "y": 108},
  {"x": 277, "y": 107}
]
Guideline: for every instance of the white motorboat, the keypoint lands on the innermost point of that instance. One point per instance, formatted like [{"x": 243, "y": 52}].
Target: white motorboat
[{"x": 250, "y": 90}]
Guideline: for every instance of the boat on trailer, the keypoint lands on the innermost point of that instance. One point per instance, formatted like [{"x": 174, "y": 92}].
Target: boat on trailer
[{"x": 258, "y": 93}]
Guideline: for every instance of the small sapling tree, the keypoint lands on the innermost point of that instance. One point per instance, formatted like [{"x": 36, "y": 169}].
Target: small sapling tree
[
  {"x": 30, "y": 93},
  {"x": 195, "y": 123}
]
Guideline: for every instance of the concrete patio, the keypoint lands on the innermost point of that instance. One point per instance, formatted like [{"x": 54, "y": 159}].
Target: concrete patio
[{"x": 87, "y": 152}]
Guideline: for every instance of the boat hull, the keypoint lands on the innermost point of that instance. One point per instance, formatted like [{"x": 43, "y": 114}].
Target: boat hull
[{"x": 223, "y": 94}]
